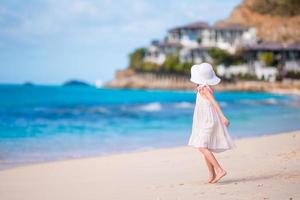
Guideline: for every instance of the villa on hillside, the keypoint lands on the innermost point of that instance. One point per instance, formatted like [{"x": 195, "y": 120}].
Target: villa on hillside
[
  {"x": 288, "y": 56},
  {"x": 192, "y": 43}
]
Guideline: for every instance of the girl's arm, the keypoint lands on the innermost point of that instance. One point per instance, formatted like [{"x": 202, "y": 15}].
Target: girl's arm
[{"x": 211, "y": 97}]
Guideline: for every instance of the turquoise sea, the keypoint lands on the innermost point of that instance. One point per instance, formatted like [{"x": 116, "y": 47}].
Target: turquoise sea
[{"x": 44, "y": 123}]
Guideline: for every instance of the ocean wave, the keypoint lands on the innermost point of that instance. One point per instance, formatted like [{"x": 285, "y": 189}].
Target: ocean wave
[
  {"x": 71, "y": 110},
  {"x": 184, "y": 104},
  {"x": 270, "y": 101},
  {"x": 151, "y": 107},
  {"x": 102, "y": 110},
  {"x": 295, "y": 103},
  {"x": 223, "y": 104}
]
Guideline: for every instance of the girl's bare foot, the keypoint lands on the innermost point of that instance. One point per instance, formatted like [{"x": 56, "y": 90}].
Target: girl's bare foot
[
  {"x": 211, "y": 178},
  {"x": 219, "y": 175}
]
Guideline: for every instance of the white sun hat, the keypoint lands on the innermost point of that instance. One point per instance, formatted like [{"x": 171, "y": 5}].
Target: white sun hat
[{"x": 204, "y": 74}]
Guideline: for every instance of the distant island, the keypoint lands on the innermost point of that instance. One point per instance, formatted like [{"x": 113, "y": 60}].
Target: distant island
[
  {"x": 76, "y": 83},
  {"x": 240, "y": 49},
  {"x": 28, "y": 83}
]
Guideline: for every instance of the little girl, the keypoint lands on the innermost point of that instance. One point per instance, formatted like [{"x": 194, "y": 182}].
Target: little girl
[{"x": 209, "y": 130}]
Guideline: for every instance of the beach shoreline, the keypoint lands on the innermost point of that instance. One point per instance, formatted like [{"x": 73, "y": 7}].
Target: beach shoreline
[
  {"x": 165, "y": 173},
  {"x": 13, "y": 166}
]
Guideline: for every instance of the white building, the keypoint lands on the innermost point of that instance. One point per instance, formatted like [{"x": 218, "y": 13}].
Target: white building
[
  {"x": 192, "y": 41},
  {"x": 194, "y": 55},
  {"x": 287, "y": 56},
  {"x": 158, "y": 51},
  {"x": 266, "y": 73},
  {"x": 188, "y": 35},
  {"x": 230, "y": 37},
  {"x": 292, "y": 62},
  {"x": 231, "y": 71}
]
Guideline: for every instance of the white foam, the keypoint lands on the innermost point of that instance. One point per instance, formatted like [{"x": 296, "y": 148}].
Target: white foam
[
  {"x": 184, "y": 105},
  {"x": 151, "y": 107},
  {"x": 271, "y": 101}
]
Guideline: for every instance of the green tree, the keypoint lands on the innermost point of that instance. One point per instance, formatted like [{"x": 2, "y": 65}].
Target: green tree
[
  {"x": 186, "y": 67},
  {"x": 276, "y": 7},
  {"x": 149, "y": 67},
  {"x": 220, "y": 56},
  {"x": 199, "y": 40},
  {"x": 136, "y": 59},
  {"x": 292, "y": 75},
  {"x": 179, "y": 68},
  {"x": 171, "y": 63},
  {"x": 238, "y": 58},
  {"x": 267, "y": 58}
]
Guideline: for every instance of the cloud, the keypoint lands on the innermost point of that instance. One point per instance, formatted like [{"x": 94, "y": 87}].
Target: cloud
[
  {"x": 57, "y": 32},
  {"x": 84, "y": 8},
  {"x": 206, "y": 10},
  {"x": 69, "y": 17}
]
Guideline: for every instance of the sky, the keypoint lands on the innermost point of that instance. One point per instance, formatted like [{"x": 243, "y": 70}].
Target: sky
[{"x": 51, "y": 41}]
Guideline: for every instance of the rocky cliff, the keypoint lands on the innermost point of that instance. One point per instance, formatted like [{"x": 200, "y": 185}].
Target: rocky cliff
[{"x": 275, "y": 20}]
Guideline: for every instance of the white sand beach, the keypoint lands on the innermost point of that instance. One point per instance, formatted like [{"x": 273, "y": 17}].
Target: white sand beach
[{"x": 265, "y": 167}]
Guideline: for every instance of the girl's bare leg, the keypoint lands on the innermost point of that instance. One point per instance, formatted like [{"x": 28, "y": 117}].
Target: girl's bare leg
[
  {"x": 211, "y": 159},
  {"x": 211, "y": 170}
]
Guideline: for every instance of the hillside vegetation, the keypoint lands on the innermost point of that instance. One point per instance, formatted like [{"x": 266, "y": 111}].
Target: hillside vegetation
[
  {"x": 275, "y": 7},
  {"x": 173, "y": 65}
]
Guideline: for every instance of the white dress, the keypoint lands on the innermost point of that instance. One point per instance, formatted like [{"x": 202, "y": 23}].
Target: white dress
[{"x": 208, "y": 130}]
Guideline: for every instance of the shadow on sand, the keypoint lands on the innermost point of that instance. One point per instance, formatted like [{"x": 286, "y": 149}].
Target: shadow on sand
[{"x": 248, "y": 179}]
